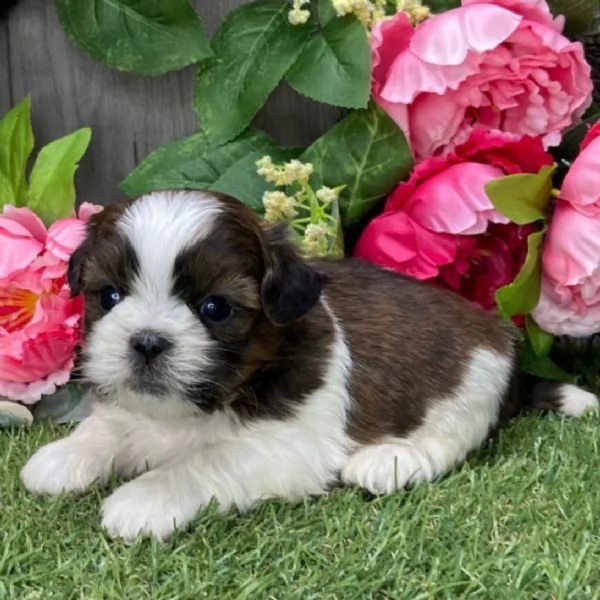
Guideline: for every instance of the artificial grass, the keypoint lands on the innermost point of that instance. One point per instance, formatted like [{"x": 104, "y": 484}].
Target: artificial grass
[{"x": 519, "y": 520}]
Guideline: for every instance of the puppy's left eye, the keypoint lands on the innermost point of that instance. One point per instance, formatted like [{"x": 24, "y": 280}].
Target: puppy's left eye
[
  {"x": 109, "y": 297},
  {"x": 215, "y": 309}
]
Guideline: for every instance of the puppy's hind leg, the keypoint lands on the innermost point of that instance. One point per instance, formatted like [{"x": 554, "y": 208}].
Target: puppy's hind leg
[{"x": 453, "y": 426}]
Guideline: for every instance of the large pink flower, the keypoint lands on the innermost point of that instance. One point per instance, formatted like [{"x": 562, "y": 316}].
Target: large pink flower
[
  {"x": 440, "y": 225},
  {"x": 570, "y": 299},
  {"x": 39, "y": 321},
  {"x": 499, "y": 64}
]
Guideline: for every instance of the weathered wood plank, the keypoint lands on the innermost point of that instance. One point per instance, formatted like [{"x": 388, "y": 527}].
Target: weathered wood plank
[{"x": 129, "y": 115}]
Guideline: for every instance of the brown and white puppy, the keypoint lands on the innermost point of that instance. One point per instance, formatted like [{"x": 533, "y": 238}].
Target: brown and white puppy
[{"x": 225, "y": 366}]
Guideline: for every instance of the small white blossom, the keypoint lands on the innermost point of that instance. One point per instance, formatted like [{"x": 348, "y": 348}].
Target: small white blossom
[
  {"x": 314, "y": 242},
  {"x": 414, "y": 9},
  {"x": 278, "y": 206},
  {"x": 299, "y": 16},
  {"x": 327, "y": 195},
  {"x": 297, "y": 171}
]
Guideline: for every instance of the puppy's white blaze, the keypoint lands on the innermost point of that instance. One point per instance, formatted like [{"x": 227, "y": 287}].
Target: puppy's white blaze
[
  {"x": 159, "y": 226},
  {"x": 575, "y": 401},
  {"x": 453, "y": 427}
]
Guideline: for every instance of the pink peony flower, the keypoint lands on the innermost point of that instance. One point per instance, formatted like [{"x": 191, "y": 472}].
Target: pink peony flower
[
  {"x": 499, "y": 64},
  {"x": 39, "y": 322},
  {"x": 440, "y": 225},
  {"x": 570, "y": 299}
]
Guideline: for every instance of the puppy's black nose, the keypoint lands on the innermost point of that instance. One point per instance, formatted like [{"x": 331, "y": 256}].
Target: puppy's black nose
[{"x": 149, "y": 344}]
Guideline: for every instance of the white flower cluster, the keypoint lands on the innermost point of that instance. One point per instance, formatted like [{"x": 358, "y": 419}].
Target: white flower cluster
[
  {"x": 414, "y": 9},
  {"x": 286, "y": 174},
  {"x": 298, "y": 15},
  {"x": 278, "y": 206},
  {"x": 313, "y": 219},
  {"x": 365, "y": 11}
]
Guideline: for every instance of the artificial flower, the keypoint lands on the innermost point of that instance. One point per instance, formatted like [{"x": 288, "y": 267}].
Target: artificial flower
[
  {"x": 40, "y": 324},
  {"x": 501, "y": 65},
  {"x": 441, "y": 226}
]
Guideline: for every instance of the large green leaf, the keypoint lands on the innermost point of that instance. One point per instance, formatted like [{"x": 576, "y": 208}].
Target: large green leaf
[
  {"x": 522, "y": 295},
  {"x": 335, "y": 65},
  {"x": 149, "y": 37},
  {"x": 51, "y": 187},
  {"x": 579, "y": 14},
  {"x": 254, "y": 48},
  {"x": 16, "y": 144},
  {"x": 531, "y": 363},
  {"x": 438, "y": 6},
  {"x": 522, "y": 197},
  {"x": 193, "y": 163},
  {"x": 541, "y": 341},
  {"x": 367, "y": 153}
]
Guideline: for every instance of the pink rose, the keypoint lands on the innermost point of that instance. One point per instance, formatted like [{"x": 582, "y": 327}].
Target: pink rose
[
  {"x": 499, "y": 64},
  {"x": 440, "y": 225},
  {"x": 570, "y": 299},
  {"x": 39, "y": 322}
]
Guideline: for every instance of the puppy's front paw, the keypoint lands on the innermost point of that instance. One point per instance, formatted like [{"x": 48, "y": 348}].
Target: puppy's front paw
[
  {"x": 147, "y": 506},
  {"x": 63, "y": 466}
]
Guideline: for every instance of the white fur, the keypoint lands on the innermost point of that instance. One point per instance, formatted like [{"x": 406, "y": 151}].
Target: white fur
[
  {"x": 191, "y": 461},
  {"x": 453, "y": 427},
  {"x": 575, "y": 401},
  {"x": 159, "y": 227}
]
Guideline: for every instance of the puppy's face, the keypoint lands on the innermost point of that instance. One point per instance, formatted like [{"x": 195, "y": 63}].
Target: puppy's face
[{"x": 186, "y": 297}]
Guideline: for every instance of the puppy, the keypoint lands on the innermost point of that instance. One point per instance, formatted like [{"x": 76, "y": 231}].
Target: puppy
[{"x": 226, "y": 367}]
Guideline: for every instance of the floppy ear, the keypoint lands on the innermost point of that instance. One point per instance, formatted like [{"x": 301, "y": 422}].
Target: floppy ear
[
  {"x": 290, "y": 286},
  {"x": 76, "y": 268}
]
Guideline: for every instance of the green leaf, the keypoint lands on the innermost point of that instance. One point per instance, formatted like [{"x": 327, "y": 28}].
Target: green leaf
[
  {"x": 540, "y": 340},
  {"x": 579, "y": 14},
  {"x": 366, "y": 152},
  {"x": 438, "y": 6},
  {"x": 254, "y": 48},
  {"x": 522, "y": 295},
  {"x": 14, "y": 415},
  {"x": 69, "y": 404},
  {"x": 335, "y": 65},
  {"x": 523, "y": 197},
  {"x": 532, "y": 364},
  {"x": 192, "y": 163},
  {"x": 51, "y": 187},
  {"x": 326, "y": 12},
  {"x": 148, "y": 37},
  {"x": 16, "y": 144}
]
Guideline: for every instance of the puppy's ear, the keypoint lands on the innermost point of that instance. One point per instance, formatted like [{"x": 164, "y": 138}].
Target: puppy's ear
[
  {"x": 76, "y": 268},
  {"x": 290, "y": 286}
]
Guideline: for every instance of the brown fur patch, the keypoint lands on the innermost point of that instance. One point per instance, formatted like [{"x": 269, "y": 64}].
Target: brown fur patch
[{"x": 410, "y": 344}]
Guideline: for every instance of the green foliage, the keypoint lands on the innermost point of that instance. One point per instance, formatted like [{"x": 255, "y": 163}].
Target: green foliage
[
  {"x": 533, "y": 364},
  {"x": 51, "y": 188},
  {"x": 579, "y": 14},
  {"x": 522, "y": 295},
  {"x": 51, "y": 193},
  {"x": 193, "y": 163},
  {"x": 569, "y": 147},
  {"x": 335, "y": 65},
  {"x": 16, "y": 144},
  {"x": 367, "y": 153},
  {"x": 254, "y": 48},
  {"x": 522, "y": 197},
  {"x": 540, "y": 340},
  {"x": 149, "y": 37},
  {"x": 438, "y": 6}
]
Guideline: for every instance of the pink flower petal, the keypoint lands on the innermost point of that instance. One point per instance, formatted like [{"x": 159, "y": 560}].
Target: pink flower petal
[
  {"x": 581, "y": 186},
  {"x": 64, "y": 237},
  {"x": 454, "y": 201},
  {"x": 447, "y": 38},
  {"x": 87, "y": 210},
  {"x": 533, "y": 10},
  {"x": 18, "y": 248},
  {"x": 27, "y": 219}
]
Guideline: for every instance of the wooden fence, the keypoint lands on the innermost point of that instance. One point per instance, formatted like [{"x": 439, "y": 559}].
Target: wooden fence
[{"x": 129, "y": 115}]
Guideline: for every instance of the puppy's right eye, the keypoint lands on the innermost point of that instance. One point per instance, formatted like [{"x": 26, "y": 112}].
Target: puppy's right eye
[{"x": 109, "y": 297}]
